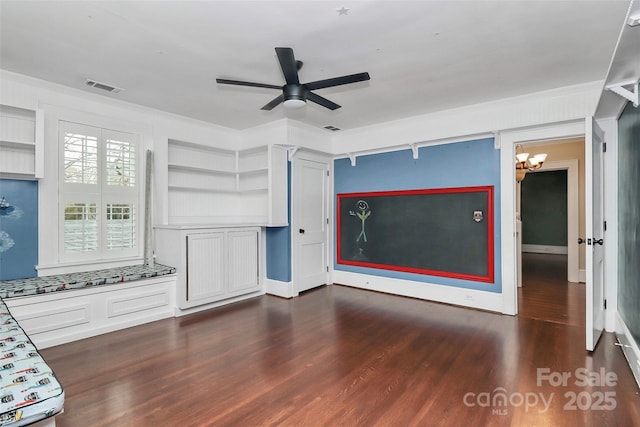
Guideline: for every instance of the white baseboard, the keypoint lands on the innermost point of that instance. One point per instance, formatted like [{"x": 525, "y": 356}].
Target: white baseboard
[
  {"x": 582, "y": 276},
  {"x": 629, "y": 347},
  {"x": 191, "y": 310},
  {"x": 545, "y": 249},
  {"x": 427, "y": 291},
  {"x": 280, "y": 289}
]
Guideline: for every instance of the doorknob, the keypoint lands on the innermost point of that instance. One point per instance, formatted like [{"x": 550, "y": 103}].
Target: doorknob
[
  {"x": 598, "y": 242},
  {"x": 301, "y": 231},
  {"x": 580, "y": 240}
]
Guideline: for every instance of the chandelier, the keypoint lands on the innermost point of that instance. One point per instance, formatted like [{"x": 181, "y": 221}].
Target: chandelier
[{"x": 526, "y": 163}]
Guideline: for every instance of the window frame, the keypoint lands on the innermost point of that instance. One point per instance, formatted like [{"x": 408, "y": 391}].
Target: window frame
[{"x": 100, "y": 193}]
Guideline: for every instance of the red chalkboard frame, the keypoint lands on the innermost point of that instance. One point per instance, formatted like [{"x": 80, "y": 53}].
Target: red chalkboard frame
[{"x": 489, "y": 278}]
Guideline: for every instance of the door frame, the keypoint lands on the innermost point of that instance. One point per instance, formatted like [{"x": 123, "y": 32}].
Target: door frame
[
  {"x": 318, "y": 157},
  {"x": 507, "y": 141},
  {"x": 573, "y": 213}
]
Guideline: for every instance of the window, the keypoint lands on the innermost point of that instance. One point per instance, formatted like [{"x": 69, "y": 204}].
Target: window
[{"x": 100, "y": 193}]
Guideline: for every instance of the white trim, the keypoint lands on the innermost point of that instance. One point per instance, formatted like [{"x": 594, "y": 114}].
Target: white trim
[
  {"x": 427, "y": 291},
  {"x": 75, "y": 267},
  {"x": 185, "y": 311},
  {"x": 50, "y": 237},
  {"x": 508, "y": 140},
  {"x": 280, "y": 289},
  {"x": 414, "y": 146},
  {"x": 545, "y": 249},
  {"x": 573, "y": 212},
  {"x": 536, "y": 109},
  {"x": 629, "y": 347},
  {"x": 582, "y": 275}
]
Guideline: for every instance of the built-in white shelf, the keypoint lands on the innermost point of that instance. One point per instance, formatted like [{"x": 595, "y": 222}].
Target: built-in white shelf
[
  {"x": 208, "y": 171},
  {"x": 208, "y": 181},
  {"x": 200, "y": 189},
  {"x": 21, "y": 145},
  {"x": 21, "y": 142}
]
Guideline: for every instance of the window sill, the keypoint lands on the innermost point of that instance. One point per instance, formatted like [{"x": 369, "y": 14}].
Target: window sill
[{"x": 75, "y": 267}]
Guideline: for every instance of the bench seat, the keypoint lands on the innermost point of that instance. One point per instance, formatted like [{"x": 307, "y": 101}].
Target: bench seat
[
  {"x": 29, "y": 390},
  {"x": 62, "y": 282}
]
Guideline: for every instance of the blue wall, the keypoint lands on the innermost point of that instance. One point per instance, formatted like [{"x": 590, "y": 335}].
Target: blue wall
[
  {"x": 19, "y": 229},
  {"x": 462, "y": 164},
  {"x": 279, "y": 245}
]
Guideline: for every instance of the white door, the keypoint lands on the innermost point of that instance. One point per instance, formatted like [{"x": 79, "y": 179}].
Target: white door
[
  {"x": 242, "y": 265},
  {"x": 594, "y": 207},
  {"x": 205, "y": 268},
  {"x": 310, "y": 219}
]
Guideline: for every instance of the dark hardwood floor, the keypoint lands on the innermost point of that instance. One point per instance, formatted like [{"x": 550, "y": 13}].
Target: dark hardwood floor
[
  {"x": 545, "y": 293},
  {"x": 339, "y": 356}
]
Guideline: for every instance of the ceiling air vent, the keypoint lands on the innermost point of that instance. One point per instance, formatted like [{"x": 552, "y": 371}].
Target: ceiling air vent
[
  {"x": 331, "y": 128},
  {"x": 103, "y": 86}
]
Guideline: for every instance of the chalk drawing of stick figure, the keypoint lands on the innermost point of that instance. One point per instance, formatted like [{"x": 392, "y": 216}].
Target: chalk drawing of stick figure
[{"x": 363, "y": 213}]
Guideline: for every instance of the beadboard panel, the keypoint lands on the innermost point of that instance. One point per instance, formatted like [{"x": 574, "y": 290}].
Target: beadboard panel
[{"x": 60, "y": 317}]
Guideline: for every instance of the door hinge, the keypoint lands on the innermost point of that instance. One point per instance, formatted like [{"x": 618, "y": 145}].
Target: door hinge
[
  {"x": 327, "y": 173},
  {"x": 604, "y": 147},
  {"x": 604, "y": 225},
  {"x": 327, "y": 268},
  {"x": 327, "y": 220},
  {"x": 605, "y": 304}
]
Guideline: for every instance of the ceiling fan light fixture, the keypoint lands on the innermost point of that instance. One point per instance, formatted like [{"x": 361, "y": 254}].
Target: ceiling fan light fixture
[
  {"x": 294, "y": 103},
  {"x": 294, "y": 94}
]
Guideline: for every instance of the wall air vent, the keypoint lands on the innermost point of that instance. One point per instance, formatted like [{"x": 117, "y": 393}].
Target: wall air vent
[
  {"x": 103, "y": 86},
  {"x": 331, "y": 128}
]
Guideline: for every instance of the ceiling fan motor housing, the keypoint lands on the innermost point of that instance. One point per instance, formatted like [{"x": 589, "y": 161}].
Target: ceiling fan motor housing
[{"x": 294, "y": 92}]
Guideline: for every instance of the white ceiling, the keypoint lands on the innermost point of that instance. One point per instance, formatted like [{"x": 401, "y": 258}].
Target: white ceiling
[{"x": 423, "y": 56}]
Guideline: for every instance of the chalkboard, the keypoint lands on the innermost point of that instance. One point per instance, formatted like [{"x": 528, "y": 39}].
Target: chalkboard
[{"x": 441, "y": 232}]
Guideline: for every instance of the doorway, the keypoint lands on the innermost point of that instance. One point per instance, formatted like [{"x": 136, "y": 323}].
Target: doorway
[
  {"x": 549, "y": 260},
  {"x": 310, "y": 221}
]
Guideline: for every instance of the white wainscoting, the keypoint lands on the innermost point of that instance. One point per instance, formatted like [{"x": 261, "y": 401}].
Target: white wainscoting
[{"x": 65, "y": 316}]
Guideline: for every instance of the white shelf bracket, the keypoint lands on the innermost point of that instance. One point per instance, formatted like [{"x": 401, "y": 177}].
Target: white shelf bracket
[
  {"x": 414, "y": 150},
  {"x": 291, "y": 151},
  {"x": 619, "y": 89},
  {"x": 352, "y": 157}
]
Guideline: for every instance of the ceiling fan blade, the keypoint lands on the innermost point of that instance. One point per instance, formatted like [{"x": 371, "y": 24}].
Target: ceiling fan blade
[
  {"x": 321, "y": 101},
  {"x": 337, "y": 81},
  {"x": 288, "y": 64},
  {"x": 276, "y": 101},
  {"x": 240, "y": 83}
]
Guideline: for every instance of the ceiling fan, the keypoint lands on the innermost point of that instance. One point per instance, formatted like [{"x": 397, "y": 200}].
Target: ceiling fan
[{"x": 295, "y": 94}]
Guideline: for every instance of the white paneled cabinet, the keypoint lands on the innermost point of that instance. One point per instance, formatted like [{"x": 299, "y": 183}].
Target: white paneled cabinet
[
  {"x": 212, "y": 185},
  {"x": 21, "y": 139},
  {"x": 213, "y": 264},
  {"x": 243, "y": 270},
  {"x": 205, "y": 281}
]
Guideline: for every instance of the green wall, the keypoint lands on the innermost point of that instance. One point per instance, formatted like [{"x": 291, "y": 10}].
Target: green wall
[
  {"x": 629, "y": 219},
  {"x": 544, "y": 208}
]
